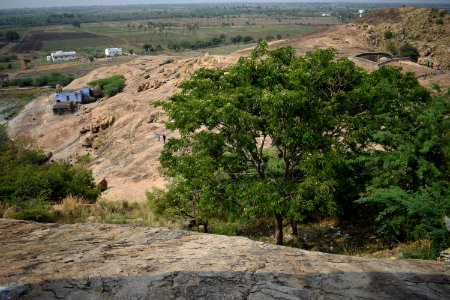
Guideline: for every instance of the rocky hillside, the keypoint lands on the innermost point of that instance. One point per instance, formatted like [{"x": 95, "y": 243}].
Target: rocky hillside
[
  {"x": 91, "y": 261},
  {"x": 118, "y": 133},
  {"x": 426, "y": 29}
]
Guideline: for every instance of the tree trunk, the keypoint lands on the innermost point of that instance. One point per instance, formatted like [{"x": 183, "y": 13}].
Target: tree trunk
[
  {"x": 294, "y": 228},
  {"x": 279, "y": 229}
]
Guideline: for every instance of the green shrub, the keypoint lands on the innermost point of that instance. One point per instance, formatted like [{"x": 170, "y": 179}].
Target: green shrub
[
  {"x": 392, "y": 48},
  {"x": 225, "y": 229},
  {"x": 8, "y": 58},
  {"x": 408, "y": 50},
  {"x": 38, "y": 210},
  {"x": 111, "y": 85},
  {"x": 21, "y": 82},
  {"x": 29, "y": 184},
  {"x": 388, "y": 34}
]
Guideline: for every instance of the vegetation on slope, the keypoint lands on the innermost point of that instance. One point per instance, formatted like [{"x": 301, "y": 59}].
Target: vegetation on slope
[
  {"x": 300, "y": 139},
  {"x": 29, "y": 184},
  {"x": 110, "y": 86}
]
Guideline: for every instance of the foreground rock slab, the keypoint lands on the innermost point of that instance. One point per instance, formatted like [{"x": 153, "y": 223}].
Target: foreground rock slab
[{"x": 96, "y": 261}]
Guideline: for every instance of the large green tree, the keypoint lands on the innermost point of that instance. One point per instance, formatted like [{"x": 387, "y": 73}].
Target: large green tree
[{"x": 277, "y": 135}]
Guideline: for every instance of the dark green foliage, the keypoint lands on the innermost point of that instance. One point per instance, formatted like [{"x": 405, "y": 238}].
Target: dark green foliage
[
  {"x": 194, "y": 45},
  {"x": 76, "y": 24},
  {"x": 408, "y": 50},
  {"x": 22, "y": 82},
  {"x": 299, "y": 139},
  {"x": 411, "y": 185},
  {"x": 111, "y": 85},
  {"x": 52, "y": 80},
  {"x": 388, "y": 34},
  {"x": 8, "y": 58},
  {"x": 46, "y": 80},
  {"x": 30, "y": 184},
  {"x": 392, "y": 48},
  {"x": 12, "y": 36}
]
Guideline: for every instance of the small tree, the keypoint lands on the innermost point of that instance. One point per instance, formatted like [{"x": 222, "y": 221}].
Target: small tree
[
  {"x": 76, "y": 24},
  {"x": 388, "y": 34},
  {"x": 392, "y": 48},
  {"x": 12, "y": 36},
  {"x": 408, "y": 50}
]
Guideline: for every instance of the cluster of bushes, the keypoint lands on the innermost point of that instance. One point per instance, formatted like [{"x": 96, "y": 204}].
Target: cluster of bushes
[
  {"x": 194, "y": 45},
  {"x": 46, "y": 80},
  {"x": 30, "y": 184},
  {"x": 242, "y": 39},
  {"x": 151, "y": 48},
  {"x": 108, "y": 86},
  {"x": 7, "y": 58},
  {"x": 406, "y": 50}
]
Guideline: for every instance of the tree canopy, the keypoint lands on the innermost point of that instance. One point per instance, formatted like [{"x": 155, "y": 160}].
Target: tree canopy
[{"x": 294, "y": 138}]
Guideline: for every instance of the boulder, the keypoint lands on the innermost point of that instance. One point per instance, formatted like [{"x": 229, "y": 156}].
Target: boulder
[
  {"x": 102, "y": 185},
  {"x": 87, "y": 142},
  {"x": 105, "y": 261}
]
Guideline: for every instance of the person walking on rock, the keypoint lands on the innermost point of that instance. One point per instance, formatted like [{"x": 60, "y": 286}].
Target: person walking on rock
[
  {"x": 164, "y": 138},
  {"x": 158, "y": 136}
]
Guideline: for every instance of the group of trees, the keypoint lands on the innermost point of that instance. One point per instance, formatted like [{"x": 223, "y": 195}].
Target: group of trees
[
  {"x": 108, "y": 86},
  {"x": 151, "y": 49},
  {"x": 12, "y": 36},
  {"x": 194, "y": 45},
  {"x": 302, "y": 138},
  {"x": 30, "y": 184}
]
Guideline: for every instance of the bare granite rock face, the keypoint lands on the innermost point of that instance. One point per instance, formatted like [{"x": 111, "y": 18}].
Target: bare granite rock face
[{"x": 96, "y": 261}]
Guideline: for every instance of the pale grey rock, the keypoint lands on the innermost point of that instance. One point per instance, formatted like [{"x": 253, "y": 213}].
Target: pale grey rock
[{"x": 97, "y": 261}]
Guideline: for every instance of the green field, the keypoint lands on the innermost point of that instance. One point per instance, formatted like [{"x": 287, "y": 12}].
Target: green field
[{"x": 77, "y": 44}]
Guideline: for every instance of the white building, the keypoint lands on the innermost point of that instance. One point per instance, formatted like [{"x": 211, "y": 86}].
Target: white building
[
  {"x": 360, "y": 12},
  {"x": 113, "y": 51},
  {"x": 62, "y": 56}
]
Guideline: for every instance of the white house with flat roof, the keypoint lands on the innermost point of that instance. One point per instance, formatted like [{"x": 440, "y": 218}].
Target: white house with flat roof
[
  {"x": 62, "y": 56},
  {"x": 113, "y": 51}
]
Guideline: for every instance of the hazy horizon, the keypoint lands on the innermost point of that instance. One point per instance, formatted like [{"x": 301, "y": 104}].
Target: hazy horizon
[{"x": 7, "y": 4}]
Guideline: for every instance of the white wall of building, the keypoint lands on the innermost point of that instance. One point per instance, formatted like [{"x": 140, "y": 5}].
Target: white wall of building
[
  {"x": 63, "y": 56},
  {"x": 113, "y": 51}
]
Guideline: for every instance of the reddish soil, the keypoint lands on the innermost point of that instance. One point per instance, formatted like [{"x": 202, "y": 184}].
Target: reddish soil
[{"x": 33, "y": 40}]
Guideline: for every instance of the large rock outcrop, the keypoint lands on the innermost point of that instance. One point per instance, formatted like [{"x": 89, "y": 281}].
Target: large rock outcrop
[{"x": 92, "y": 261}]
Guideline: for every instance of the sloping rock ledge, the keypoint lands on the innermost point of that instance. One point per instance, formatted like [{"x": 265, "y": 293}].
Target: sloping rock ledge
[{"x": 95, "y": 261}]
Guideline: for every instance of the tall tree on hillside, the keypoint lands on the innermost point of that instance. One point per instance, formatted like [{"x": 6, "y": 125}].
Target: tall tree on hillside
[{"x": 270, "y": 135}]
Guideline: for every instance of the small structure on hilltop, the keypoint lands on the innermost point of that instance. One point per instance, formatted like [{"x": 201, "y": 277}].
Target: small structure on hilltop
[
  {"x": 62, "y": 56},
  {"x": 66, "y": 101},
  {"x": 113, "y": 52}
]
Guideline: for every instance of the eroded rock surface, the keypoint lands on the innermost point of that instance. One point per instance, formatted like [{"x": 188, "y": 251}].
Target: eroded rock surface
[{"x": 92, "y": 261}]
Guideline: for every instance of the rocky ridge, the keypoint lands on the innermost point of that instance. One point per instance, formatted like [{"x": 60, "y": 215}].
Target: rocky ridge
[{"x": 92, "y": 261}]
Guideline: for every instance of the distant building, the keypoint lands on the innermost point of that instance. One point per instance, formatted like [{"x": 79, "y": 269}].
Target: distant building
[
  {"x": 62, "y": 56},
  {"x": 360, "y": 12},
  {"x": 81, "y": 96},
  {"x": 113, "y": 51}
]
